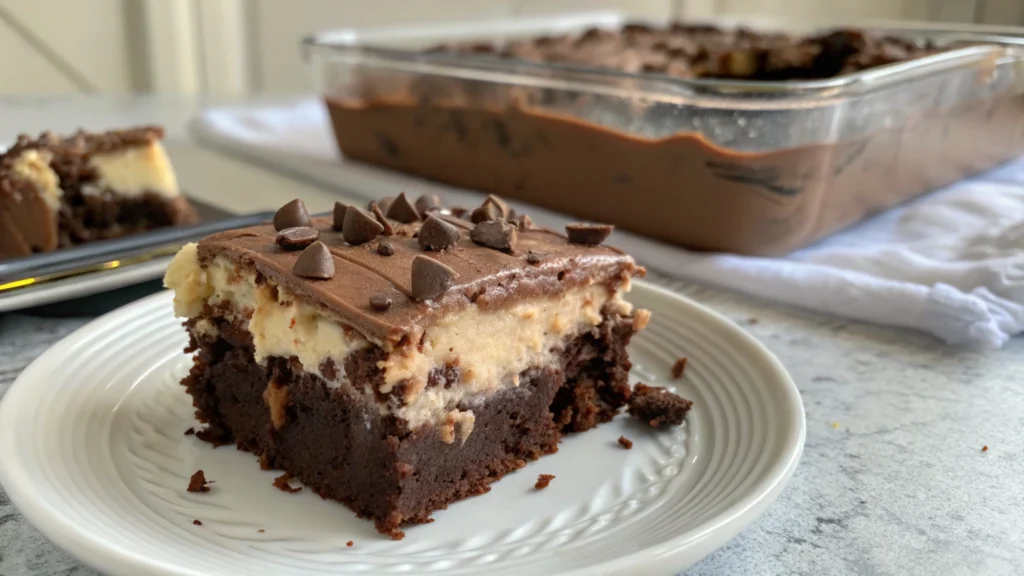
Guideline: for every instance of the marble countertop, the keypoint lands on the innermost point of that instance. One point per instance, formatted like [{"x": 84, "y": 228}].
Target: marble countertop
[{"x": 893, "y": 478}]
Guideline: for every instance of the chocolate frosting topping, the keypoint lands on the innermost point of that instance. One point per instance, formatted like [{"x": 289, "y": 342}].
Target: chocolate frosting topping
[{"x": 486, "y": 278}]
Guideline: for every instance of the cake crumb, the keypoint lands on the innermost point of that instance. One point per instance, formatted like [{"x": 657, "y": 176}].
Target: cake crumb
[
  {"x": 197, "y": 522},
  {"x": 216, "y": 437},
  {"x": 835, "y": 424},
  {"x": 984, "y": 448},
  {"x": 281, "y": 483},
  {"x": 752, "y": 321},
  {"x": 350, "y": 543},
  {"x": 198, "y": 482},
  {"x": 261, "y": 530},
  {"x": 190, "y": 432},
  {"x": 678, "y": 368},
  {"x": 641, "y": 318},
  {"x": 625, "y": 442},
  {"x": 543, "y": 480},
  {"x": 657, "y": 406}
]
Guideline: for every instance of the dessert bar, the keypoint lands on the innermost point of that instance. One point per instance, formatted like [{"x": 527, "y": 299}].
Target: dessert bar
[
  {"x": 399, "y": 358},
  {"x": 57, "y": 192}
]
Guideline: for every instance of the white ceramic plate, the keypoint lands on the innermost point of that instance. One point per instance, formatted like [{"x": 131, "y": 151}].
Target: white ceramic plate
[
  {"x": 94, "y": 455},
  {"x": 84, "y": 285}
]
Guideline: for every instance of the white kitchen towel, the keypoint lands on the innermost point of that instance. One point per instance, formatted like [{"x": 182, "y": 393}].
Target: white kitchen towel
[{"x": 950, "y": 264}]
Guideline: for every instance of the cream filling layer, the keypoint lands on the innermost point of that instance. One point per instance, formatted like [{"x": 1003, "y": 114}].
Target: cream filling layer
[
  {"x": 134, "y": 171},
  {"x": 491, "y": 348},
  {"x": 34, "y": 166}
]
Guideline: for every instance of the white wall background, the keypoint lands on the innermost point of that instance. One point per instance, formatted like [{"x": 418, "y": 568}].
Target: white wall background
[{"x": 233, "y": 47}]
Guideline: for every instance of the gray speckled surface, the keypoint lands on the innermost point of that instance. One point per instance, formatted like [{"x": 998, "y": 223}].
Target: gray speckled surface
[{"x": 892, "y": 481}]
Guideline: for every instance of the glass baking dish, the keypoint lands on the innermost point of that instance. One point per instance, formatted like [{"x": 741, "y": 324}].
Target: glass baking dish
[{"x": 741, "y": 166}]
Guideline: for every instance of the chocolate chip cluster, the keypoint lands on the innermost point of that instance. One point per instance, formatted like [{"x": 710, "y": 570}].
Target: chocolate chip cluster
[{"x": 494, "y": 225}]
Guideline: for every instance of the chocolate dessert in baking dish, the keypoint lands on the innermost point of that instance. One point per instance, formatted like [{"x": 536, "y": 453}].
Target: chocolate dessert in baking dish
[
  {"x": 709, "y": 138},
  {"x": 400, "y": 358},
  {"x": 57, "y": 192}
]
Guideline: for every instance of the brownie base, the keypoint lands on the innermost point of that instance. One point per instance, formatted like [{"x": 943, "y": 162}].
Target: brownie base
[
  {"x": 88, "y": 217},
  {"x": 30, "y": 226},
  {"x": 336, "y": 442}
]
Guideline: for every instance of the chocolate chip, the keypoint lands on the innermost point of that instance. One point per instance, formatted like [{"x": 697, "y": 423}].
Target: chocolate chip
[
  {"x": 380, "y": 302},
  {"x": 384, "y": 203},
  {"x": 379, "y": 215},
  {"x": 485, "y": 213},
  {"x": 430, "y": 278},
  {"x": 360, "y": 227},
  {"x": 315, "y": 262},
  {"x": 592, "y": 234},
  {"x": 524, "y": 222},
  {"x": 339, "y": 215},
  {"x": 499, "y": 204},
  {"x": 427, "y": 203},
  {"x": 534, "y": 257},
  {"x": 291, "y": 215},
  {"x": 436, "y": 234},
  {"x": 403, "y": 210},
  {"x": 385, "y": 249},
  {"x": 496, "y": 234},
  {"x": 295, "y": 238}
]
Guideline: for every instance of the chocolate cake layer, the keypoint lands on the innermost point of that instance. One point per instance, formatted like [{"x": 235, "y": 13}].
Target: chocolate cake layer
[
  {"x": 57, "y": 192},
  {"x": 337, "y": 443}
]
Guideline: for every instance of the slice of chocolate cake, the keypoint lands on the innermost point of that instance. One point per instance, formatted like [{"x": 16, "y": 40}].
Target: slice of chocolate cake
[
  {"x": 57, "y": 192},
  {"x": 400, "y": 373}
]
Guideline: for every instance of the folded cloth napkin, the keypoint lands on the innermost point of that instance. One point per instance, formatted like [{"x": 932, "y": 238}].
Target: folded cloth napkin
[{"x": 950, "y": 264}]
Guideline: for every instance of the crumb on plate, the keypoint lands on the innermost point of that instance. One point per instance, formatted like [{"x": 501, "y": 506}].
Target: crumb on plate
[
  {"x": 281, "y": 483},
  {"x": 198, "y": 482},
  {"x": 657, "y": 406},
  {"x": 678, "y": 368},
  {"x": 543, "y": 480}
]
